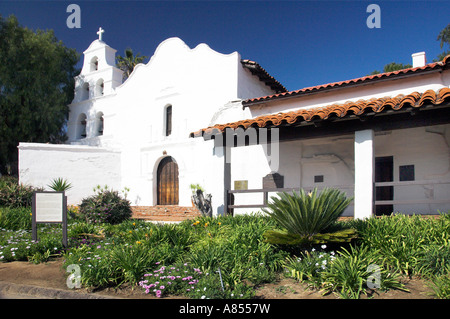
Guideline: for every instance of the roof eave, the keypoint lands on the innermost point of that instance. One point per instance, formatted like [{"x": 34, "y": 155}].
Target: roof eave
[{"x": 379, "y": 78}]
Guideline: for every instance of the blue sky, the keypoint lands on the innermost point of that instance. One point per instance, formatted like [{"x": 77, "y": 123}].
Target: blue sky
[{"x": 300, "y": 43}]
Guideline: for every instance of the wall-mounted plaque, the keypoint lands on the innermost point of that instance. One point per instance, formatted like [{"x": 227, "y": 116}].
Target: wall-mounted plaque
[
  {"x": 240, "y": 185},
  {"x": 273, "y": 180}
]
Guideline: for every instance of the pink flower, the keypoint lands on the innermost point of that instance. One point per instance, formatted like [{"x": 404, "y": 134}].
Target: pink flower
[{"x": 158, "y": 293}]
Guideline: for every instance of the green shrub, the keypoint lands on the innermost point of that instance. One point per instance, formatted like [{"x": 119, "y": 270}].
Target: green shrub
[
  {"x": 308, "y": 266},
  {"x": 349, "y": 273},
  {"x": 236, "y": 246},
  {"x": 402, "y": 240},
  {"x": 106, "y": 206},
  {"x": 15, "y": 218},
  {"x": 13, "y": 194},
  {"x": 441, "y": 285},
  {"x": 434, "y": 261},
  {"x": 131, "y": 262},
  {"x": 307, "y": 217}
]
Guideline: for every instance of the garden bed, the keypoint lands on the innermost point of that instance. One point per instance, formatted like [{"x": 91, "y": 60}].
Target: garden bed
[
  {"x": 115, "y": 258},
  {"x": 51, "y": 274}
]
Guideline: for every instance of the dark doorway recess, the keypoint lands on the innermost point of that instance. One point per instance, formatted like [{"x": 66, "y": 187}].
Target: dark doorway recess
[{"x": 384, "y": 172}]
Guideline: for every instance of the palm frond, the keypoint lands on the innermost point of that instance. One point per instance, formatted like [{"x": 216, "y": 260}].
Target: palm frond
[{"x": 306, "y": 214}]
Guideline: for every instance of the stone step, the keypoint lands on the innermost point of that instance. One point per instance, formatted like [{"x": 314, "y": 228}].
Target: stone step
[{"x": 165, "y": 213}]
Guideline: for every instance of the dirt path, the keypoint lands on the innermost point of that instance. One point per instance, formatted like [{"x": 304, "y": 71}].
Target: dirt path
[{"x": 287, "y": 288}]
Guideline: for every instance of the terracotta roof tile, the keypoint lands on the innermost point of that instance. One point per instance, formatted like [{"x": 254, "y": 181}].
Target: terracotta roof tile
[
  {"x": 445, "y": 63},
  {"x": 263, "y": 75},
  {"x": 376, "y": 105}
]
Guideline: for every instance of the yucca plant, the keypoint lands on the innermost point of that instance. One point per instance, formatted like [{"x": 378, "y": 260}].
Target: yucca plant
[
  {"x": 60, "y": 185},
  {"x": 306, "y": 217}
]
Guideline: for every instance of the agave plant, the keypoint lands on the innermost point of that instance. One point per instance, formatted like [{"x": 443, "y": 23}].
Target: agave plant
[
  {"x": 60, "y": 185},
  {"x": 306, "y": 216}
]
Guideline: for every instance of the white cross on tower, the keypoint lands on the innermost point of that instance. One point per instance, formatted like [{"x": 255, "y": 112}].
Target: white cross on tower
[{"x": 100, "y": 33}]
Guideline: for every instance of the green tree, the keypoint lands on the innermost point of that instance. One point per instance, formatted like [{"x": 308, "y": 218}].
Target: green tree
[
  {"x": 392, "y": 67},
  {"x": 36, "y": 85},
  {"x": 444, "y": 38},
  {"x": 128, "y": 62}
]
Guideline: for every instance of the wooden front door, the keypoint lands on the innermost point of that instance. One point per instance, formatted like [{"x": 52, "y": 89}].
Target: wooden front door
[{"x": 168, "y": 182}]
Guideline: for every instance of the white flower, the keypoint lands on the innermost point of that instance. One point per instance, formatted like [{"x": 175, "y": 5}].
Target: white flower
[
  {"x": 323, "y": 246},
  {"x": 203, "y": 297}
]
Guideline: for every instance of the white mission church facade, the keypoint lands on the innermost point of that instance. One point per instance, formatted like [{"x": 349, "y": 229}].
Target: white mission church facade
[{"x": 196, "y": 116}]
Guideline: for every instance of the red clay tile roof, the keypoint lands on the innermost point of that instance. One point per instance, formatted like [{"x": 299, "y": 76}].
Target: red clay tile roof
[
  {"x": 262, "y": 74},
  {"x": 444, "y": 64},
  {"x": 415, "y": 100}
]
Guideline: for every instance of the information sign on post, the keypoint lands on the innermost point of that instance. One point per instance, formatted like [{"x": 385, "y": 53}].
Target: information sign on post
[{"x": 49, "y": 207}]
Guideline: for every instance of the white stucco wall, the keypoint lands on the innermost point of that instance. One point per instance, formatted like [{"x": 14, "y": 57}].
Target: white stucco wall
[{"x": 84, "y": 167}]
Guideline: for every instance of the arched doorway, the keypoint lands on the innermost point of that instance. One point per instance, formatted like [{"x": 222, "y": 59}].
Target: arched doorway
[{"x": 167, "y": 174}]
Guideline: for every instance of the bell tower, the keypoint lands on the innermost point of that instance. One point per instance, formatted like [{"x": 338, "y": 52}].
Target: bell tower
[
  {"x": 97, "y": 80},
  {"x": 99, "y": 75}
]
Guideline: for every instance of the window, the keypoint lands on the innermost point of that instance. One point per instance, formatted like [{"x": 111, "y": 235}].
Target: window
[
  {"x": 168, "y": 116},
  {"x": 406, "y": 173},
  {"x": 318, "y": 179},
  {"x": 94, "y": 64},
  {"x": 81, "y": 126}
]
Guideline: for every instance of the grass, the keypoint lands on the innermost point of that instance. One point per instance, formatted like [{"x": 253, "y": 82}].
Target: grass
[{"x": 133, "y": 252}]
